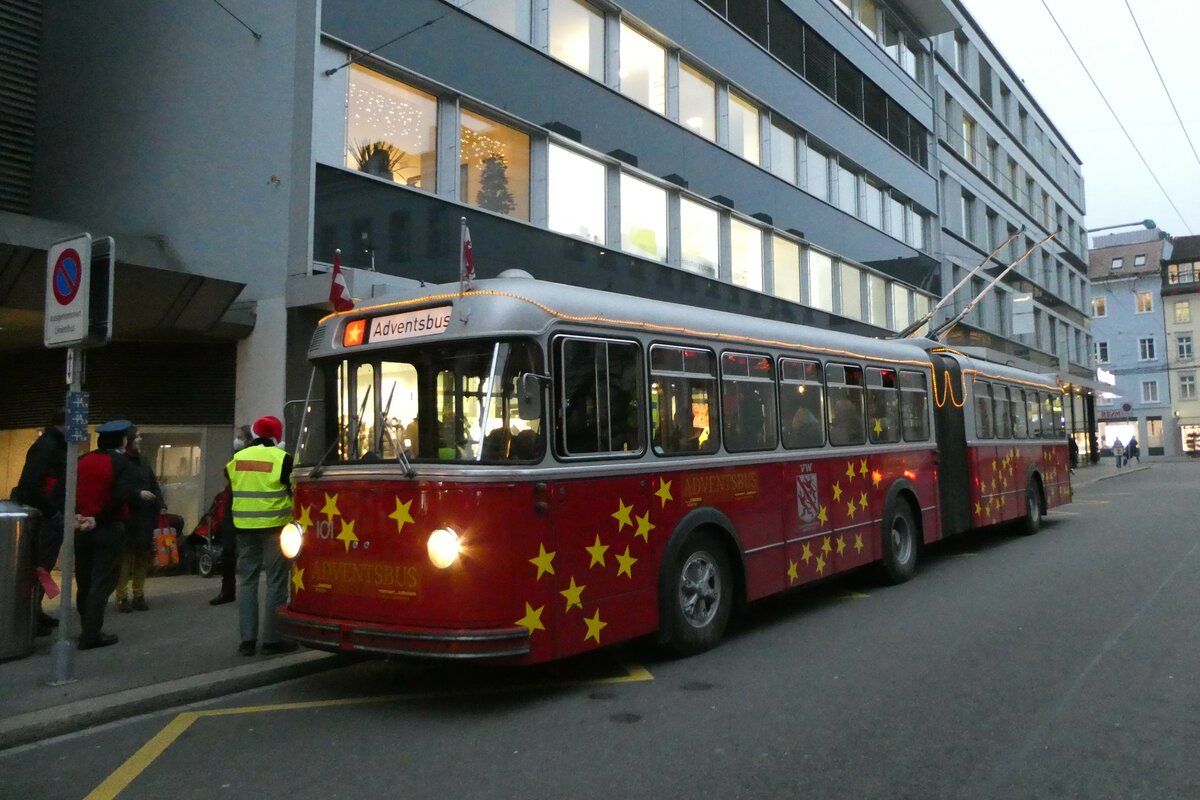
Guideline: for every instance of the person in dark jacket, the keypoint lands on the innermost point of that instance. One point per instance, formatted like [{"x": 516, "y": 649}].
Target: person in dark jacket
[
  {"x": 226, "y": 533},
  {"x": 139, "y": 529},
  {"x": 42, "y": 485},
  {"x": 106, "y": 489}
]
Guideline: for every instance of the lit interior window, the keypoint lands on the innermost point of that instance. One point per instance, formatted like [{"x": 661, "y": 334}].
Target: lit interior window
[
  {"x": 643, "y": 218},
  {"x": 494, "y": 166},
  {"x": 643, "y": 70},
  {"x": 697, "y": 103},
  {"x": 699, "y": 243},
  {"x": 391, "y": 130},
  {"x": 746, "y": 247},
  {"x": 576, "y": 195},
  {"x": 743, "y": 128},
  {"x": 577, "y": 36}
]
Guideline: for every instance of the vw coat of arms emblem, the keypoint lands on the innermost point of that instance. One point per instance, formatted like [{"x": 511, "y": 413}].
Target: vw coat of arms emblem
[{"x": 806, "y": 497}]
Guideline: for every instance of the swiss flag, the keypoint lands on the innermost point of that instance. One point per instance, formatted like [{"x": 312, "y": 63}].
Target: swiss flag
[
  {"x": 467, "y": 270},
  {"x": 339, "y": 295}
]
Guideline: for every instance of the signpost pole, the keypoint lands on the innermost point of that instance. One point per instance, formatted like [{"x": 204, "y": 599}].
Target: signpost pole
[{"x": 62, "y": 661}]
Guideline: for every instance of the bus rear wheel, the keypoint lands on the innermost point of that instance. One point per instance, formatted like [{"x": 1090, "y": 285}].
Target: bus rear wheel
[
  {"x": 899, "y": 543},
  {"x": 1032, "y": 522},
  {"x": 699, "y": 584}
]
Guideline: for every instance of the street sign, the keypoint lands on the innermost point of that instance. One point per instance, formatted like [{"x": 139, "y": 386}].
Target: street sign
[
  {"x": 101, "y": 280},
  {"x": 77, "y": 416},
  {"x": 68, "y": 291}
]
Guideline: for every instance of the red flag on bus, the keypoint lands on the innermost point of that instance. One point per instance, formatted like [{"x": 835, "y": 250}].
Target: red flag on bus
[
  {"x": 339, "y": 295},
  {"x": 466, "y": 267}
]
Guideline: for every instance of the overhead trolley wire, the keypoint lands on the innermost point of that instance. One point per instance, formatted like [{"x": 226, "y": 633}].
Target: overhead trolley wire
[{"x": 1113, "y": 111}]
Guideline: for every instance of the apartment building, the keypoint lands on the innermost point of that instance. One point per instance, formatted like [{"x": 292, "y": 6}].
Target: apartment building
[{"x": 1181, "y": 323}]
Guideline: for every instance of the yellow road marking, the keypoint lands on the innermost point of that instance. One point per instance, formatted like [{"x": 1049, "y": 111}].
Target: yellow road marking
[
  {"x": 137, "y": 763},
  {"x": 963, "y": 555},
  {"x": 848, "y": 595}
]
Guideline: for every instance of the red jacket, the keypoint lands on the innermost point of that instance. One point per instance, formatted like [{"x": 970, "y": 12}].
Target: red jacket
[{"x": 106, "y": 487}]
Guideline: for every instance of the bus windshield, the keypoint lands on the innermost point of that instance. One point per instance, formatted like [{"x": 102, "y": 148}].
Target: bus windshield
[{"x": 450, "y": 402}]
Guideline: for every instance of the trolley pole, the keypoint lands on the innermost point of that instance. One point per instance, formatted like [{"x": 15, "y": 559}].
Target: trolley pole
[{"x": 62, "y": 654}]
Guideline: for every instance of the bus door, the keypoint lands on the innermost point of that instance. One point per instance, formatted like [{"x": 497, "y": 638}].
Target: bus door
[
  {"x": 949, "y": 419},
  {"x": 603, "y": 518}
]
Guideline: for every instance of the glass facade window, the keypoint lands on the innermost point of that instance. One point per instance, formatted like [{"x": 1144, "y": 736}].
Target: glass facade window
[
  {"x": 895, "y": 217},
  {"x": 847, "y": 191},
  {"x": 697, "y": 103},
  {"x": 817, "y": 168},
  {"x": 576, "y": 189},
  {"x": 868, "y": 16},
  {"x": 743, "y": 128},
  {"x": 783, "y": 153},
  {"x": 873, "y": 205},
  {"x": 820, "y": 281},
  {"x": 786, "y": 268},
  {"x": 643, "y": 218},
  {"x": 493, "y": 169},
  {"x": 916, "y": 230},
  {"x": 643, "y": 70},
  {"x": 699, "y": 238},
  {"x": 391, "y": 130},
  {"x": 920, "y": 306},
  {"x": 900, "y": 316},
  {"x": 746, "y": 252},
  {"x": 850, "y": 291},
  {"x": 877, "y": 300},
  {"x": 510, "y": 16},
  {"x": 577, "y": 36}
]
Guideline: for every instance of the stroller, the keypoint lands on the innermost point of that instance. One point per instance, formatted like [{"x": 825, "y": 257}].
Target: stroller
[{"x": 204, "y": 542}]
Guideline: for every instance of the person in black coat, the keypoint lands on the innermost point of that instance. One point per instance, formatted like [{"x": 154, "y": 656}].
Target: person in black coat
[
  {"x": 139, "y": 529},
  {"x": 43, "y": 485},
  {"x": 225, "y": 532}
]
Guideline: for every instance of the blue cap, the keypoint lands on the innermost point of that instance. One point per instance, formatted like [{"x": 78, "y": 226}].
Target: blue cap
[{"x": 116, "y": 426}]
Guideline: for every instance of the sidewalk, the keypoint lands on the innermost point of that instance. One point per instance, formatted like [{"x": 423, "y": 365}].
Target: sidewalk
[
  {"x": 1106, "y": 469},
  {"x": 182, "y": 650}
]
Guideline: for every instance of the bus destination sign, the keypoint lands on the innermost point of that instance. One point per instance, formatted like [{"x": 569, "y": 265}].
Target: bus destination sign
[{"x": 393, "y": 327}]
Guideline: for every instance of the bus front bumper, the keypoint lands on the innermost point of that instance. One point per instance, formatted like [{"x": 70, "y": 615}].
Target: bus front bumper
[{"x": 341, "y": 636}]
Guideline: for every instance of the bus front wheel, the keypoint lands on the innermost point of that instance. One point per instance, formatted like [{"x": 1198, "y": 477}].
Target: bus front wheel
[
  {"x": 899, "y": 543},
  {"x": 700, "y": 584},
  {"x": 1032, "y": 522}
]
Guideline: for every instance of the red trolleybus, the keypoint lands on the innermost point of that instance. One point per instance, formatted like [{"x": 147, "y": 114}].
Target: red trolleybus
[{"x": 528, "y": 470}]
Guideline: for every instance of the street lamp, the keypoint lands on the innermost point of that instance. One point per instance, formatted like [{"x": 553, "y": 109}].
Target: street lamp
[{"x": 1148, "y": 224}]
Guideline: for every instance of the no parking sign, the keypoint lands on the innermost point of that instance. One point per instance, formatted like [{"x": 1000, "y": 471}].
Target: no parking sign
[{"x": 68, "y": 272}]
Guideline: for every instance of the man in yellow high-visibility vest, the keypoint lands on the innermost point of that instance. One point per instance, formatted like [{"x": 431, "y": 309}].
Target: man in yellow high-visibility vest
[{"x": 260, "y": 483}]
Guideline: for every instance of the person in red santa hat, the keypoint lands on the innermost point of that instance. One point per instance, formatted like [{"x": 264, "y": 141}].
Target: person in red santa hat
[{"x": 261, "y": 503}]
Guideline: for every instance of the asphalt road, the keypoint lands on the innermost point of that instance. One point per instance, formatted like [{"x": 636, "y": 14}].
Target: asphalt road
[{"x": 1058, "y": 666}]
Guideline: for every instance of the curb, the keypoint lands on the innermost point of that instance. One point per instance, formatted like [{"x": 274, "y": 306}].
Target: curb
[
  {"x": 1124, "y": 471},
  {"x": 80, "y": 714}
]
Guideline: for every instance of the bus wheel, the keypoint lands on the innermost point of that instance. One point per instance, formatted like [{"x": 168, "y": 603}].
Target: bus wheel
[
  {"x": 1032, "y": 522},
  {"x": 701, "y": 595},
  {"x": 899, "y": 543}
]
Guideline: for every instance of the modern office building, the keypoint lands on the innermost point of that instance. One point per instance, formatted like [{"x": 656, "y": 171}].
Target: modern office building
[
  {"x": 776, "y": 158},
  {"x": 1008, "y": 181},
  {"x": 1130, "y": 339},
  {"x": 1181, "y": 323}
]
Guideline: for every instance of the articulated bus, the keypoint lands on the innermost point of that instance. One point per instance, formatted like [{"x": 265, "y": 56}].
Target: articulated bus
[{"x": 526, "y": 470}]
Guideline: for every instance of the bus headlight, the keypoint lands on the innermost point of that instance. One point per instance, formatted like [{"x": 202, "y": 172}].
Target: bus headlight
[
  {"x": 290, "y": 539},
  {"x": 444, "y": 547}
]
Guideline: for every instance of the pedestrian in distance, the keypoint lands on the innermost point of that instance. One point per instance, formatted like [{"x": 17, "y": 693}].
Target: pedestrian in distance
[
  {"x": 1119, "y": 452},
  {"x": 42, "y": 485},
  {"x": 260, "y": 488},
  {"x": 106, "y": 490},
  {"x": 148, "y": 505},
  {"x": 1073, "y": 450},
  {"x": 222, "y": 522},
  {"x": 1132, "y": 450}
]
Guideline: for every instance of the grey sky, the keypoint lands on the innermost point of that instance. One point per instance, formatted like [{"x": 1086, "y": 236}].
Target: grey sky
[{"x": 1118, "y": 186}]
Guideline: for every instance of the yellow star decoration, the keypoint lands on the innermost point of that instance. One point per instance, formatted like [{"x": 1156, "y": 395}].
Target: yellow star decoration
[
  {"x": 820, "y": 566},
  {"x": 862, "y": 501},
  {"x": 626, "y": 562},
  {"x": 347, "y": 535},
  {"x": 987, "y": 510},
  {"x": 664, "y": 491},
  {"x": 841, "y": 545},
  {"x": 594, "y": 626},
  {"x": 851, "y": 509},
  {"x": 806, "y": 554},
  {"x": 597, "y": 551},
  {"x": 572, "y": 593},
  {"x": 993, "y": 465},
  {"x": 826, "y": 546},
  {"x": 850, "y": 470},
  {"x": 878, "y": 427},
  {"x": 837, "y": 491},
  {"x": 401, "y": 514},
  {"x": 858, "y": 543},
  {"x": 993, "y": 484},
  {"x": 792, "y": 574},
  {"x": 978, "y": 510},
  {"x": 305, "y": 519},
  {"x": 330, "y": 509},
  {"x": 622, "y": 514},
  {"x": 876, "y": 477},
  {"x": 544, "y": 561},
  {"x": 297, "y": 578},
  {"x": 644, "y": 526},
  {"x": 822, "y": 516},
  {"x": 862, "y": 467},
  {"x": 532, "y": 621}
]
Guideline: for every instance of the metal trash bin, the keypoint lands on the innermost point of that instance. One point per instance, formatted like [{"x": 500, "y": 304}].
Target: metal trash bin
[{"x": 18, "y": 611}]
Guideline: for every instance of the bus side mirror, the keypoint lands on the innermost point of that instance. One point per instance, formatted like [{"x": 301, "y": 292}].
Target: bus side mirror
[{"x": 529, "y": 396}]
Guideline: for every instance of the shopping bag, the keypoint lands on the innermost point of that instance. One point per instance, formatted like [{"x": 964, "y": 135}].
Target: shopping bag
[{"x": 166, "y": 543}]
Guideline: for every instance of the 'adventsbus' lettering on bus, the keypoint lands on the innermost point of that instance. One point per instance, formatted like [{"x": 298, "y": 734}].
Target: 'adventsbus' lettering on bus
[{"x": 410, "y": 324}]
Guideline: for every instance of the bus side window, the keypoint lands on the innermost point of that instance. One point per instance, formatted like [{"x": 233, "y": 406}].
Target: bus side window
[
  {"x": 1000, "y": 415},
  {"x": 801, "y": 403},
  {"x": 1032, "y": 412},
  {"x": 1049, "y": 421},
  {"x": 914, "y": 406},
  {"x": 683, "y": 385},
  {"x": 748, "y": 401},
  {"x": 1020, "y": 420},
  {"x": 1056, "y": 407},
  {"x": 600, "y": 397},
  {"x": 844, "y": 387},
  {"x": 983, "y": 409},
  {"x": 883, "y": 406}
]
